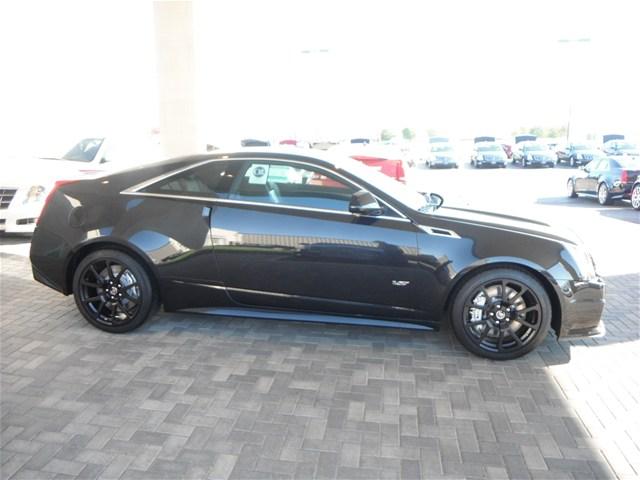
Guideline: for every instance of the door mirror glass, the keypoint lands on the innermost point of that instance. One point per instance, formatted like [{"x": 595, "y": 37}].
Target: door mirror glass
[
  {"x": 364, "y": 203},
  {"x": 436, "y": 199}
]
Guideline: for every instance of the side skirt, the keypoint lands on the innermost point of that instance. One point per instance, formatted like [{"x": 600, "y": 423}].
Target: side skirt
[{"x": 306, "y": 317}]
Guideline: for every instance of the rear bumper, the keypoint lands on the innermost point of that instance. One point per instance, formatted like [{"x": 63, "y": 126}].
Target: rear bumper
[{"x": 582, "y": 306}]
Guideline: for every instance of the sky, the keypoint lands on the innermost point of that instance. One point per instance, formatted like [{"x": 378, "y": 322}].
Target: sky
[{"x": 462, "y": 68}]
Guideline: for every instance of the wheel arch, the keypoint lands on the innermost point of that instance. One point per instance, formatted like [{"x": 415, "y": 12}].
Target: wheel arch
[
  {"x": 463, "y": 277},
  {"x": 108, "y": 244}
]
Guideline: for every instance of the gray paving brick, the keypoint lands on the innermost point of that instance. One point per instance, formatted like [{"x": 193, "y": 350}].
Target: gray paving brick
[{"x": 186, "y": 396}]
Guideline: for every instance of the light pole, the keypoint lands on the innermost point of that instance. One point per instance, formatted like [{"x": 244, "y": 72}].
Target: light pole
[{"x": 568, "y": 41}]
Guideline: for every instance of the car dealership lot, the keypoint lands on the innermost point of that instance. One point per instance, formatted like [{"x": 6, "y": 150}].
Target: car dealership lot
[{"x": 192, "y": 396}]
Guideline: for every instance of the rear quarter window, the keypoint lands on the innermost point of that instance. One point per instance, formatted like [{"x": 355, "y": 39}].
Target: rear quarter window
[{"x": 213, "y": 179}]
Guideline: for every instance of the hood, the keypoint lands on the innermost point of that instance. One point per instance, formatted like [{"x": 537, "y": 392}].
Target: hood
[
  {"x": 19, "y": 172},
  {"x": 508, "y": 222}
]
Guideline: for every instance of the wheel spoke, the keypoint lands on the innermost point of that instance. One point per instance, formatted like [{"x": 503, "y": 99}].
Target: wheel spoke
[
  {"x": 122, "y": 270},
  {"x": 484, "y": 333},
  {"x": 100, "y": 307},
  {"x": 131, "y": 285},
  {"x": 99, "y": 279},
  {"x": 130, "y": 298},
  {"x": 500, "y": 339},
  {"x": 92, "y": 299},
  {"x": 518, "y": 295},
  {"x": 529, "y": 324},
  {"x": 110, "y": 271},
  {"x": 503, "y": 290},
  {"x": 513, "y": 335},
  {"x": 533, "y": 308},
  {"x": 90, "y": 284}
]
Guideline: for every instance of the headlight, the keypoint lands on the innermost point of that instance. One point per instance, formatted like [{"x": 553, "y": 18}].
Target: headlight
[
  {"x": 35, "y": 194},
  {"x": 584, "y": 261}
]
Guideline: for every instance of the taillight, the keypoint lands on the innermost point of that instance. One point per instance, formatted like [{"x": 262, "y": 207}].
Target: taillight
[
  {"x": 55, "y": 187},
  {"x": 624, "y": 178}
]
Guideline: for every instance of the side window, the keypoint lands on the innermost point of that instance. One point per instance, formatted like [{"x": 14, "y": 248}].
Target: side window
[
  {"x": 213, "y": 179},
  {"x": 290, "y": 184}
]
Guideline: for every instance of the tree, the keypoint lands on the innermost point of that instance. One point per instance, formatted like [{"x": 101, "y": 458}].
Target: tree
[
  {"x": 408, "y": 134},
  {"x": 386, "y": 135}
]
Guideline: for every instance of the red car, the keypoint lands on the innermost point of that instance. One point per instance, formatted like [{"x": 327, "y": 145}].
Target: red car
[{"x": 394, "y": 168}]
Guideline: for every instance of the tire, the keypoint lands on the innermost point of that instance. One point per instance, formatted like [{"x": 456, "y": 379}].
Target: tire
[
  {"x": 572, "y": 162},
  {"x": 491, "y": 329},
  {"x": 113, "y": 291},
  {"x": 571, "y": 189},
  {"x": 635, "y": 196},
  {"x": 604, "y": 197}
]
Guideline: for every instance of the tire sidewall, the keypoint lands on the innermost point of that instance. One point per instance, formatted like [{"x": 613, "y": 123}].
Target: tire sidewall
[
  {"x": 149, "y": 298},
  {"x": 471, "y": 285}
]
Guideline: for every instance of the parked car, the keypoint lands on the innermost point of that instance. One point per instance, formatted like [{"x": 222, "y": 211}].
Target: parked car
[
  {"x": 612, "y": 136},
  {"x": 262, "y": 234},
  {"x": 25, "y": 185},
  {"x": 441, "y": 155},
  {"x": 576, "y": 154},
  {"x": 635, "y": 195},
  {"x": 254, "y": 142},
  {"x": 621, "y": 147},
  {"x": 386, "y": 159},
  {"x": 533, "y": 154},
  {"x": 607, "y": 178},
  {"x": 488, "y": 154}
]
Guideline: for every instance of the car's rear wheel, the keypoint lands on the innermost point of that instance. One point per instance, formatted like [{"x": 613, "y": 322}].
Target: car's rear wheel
[
  {"x": 501, "y": 314},
  {"x": 113, "y": 291},
  {"x": 604, "y": 197},
  {"x": 635, "y": 197},
  {"x": 571, "y": 188}
]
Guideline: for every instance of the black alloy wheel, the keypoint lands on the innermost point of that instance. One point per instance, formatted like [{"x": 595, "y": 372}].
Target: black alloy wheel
[
  {"x": 501, "y": 314},
  {"x": 113, "y": 291}
]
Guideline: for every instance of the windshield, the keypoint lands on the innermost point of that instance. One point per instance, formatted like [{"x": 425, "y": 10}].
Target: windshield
[
  {"x": 535, "y": 147},
  {"x": 627, "y": 146},
  {"x": 442, "y": 148},
  {"x": 399, "y": 191},
  {"x": 492, "y": 147},
  {"x": 626, "y": 164},
  {"x": 84, "y": 151}
]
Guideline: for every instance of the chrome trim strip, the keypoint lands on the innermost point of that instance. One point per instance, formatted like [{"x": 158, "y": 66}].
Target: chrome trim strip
[
  {"x": 259, "y": 204},
  {"x": 134, "y": 189}
]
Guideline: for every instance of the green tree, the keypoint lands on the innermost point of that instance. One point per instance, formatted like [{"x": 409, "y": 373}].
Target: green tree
[
  {"x": 386, "y": 135},
  {"x": 408, "y": 133}
]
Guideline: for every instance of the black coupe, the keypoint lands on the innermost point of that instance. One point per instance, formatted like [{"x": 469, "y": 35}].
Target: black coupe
[{"x": 292, "y": 236}]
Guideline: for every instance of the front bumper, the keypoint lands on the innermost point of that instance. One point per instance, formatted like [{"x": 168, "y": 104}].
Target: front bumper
[
  {"x": 582, "y": 304},
  {"x": 20, "y": 219}
]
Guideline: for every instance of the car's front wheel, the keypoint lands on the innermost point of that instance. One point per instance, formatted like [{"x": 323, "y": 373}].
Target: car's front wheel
[
  {"x": 635, "y": 197},
  {"x": 501, "y": 314},
  {"x": 113, "y": 291},
  {"x": 604, "y": 197},
  {"x": 571, "y": 188}
]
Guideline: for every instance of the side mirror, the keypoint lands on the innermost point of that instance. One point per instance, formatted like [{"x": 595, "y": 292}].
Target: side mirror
[
  {"x": 364, "y": 203},
  {"x": 436, "y": 199},
  {"x": 104, "y": 160}
]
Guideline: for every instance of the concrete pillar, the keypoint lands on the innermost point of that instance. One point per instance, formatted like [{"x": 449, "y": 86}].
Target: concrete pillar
[{"x": 176, "y": 76}]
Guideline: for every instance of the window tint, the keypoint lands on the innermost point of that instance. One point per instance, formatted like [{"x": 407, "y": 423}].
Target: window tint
[
  {"x": 213, "y": 179},
  {"x": 290, "y": 184}
]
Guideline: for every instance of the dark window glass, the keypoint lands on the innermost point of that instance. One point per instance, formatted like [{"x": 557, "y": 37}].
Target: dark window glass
[
  {"x": 213, "y": 179},
  {"x": 290, "y": 184}
]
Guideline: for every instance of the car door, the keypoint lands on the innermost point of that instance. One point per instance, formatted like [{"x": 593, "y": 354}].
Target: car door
[
  {"x": 285, "y": 238},
  {"x": 593, "y": 174}
]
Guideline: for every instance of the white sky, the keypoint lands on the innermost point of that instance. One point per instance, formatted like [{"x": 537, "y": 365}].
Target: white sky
[{"x": 462, "y": 67}]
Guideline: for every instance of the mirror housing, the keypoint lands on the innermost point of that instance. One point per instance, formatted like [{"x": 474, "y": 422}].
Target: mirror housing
[
  {"x": 364, "y": 203},
  {"x": 436, "y": 199}
]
